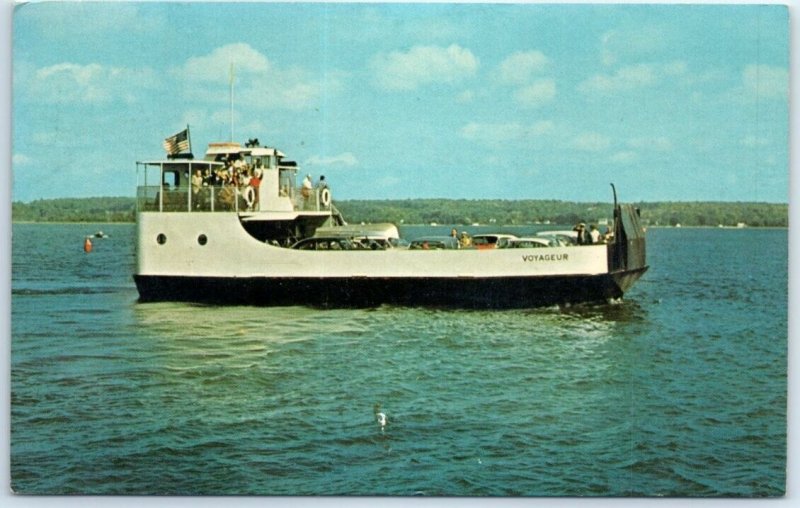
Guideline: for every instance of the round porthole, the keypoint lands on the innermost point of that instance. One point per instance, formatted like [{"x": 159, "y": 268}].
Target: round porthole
[
  {"x": 202, "y": 239},
  {"x": 161, "y": 238}
]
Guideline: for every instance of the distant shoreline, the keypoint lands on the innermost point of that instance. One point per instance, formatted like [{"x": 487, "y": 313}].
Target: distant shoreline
[
  {"x": 56, "y": 223},
  {"x": 485, "y": 212}
]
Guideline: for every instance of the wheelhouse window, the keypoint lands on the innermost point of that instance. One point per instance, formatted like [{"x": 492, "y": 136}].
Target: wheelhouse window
[{"x": 171, "y": 179}]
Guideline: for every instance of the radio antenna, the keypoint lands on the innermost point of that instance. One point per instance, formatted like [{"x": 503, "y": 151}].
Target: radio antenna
[{"x": 231, "y": 84}]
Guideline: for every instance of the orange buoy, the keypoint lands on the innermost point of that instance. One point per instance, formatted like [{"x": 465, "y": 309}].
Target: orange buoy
[{"x": 87, "y": 245}]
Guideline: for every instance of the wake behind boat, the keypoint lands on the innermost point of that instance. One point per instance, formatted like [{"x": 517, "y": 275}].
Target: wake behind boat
[{"x": 235, "y": 227}]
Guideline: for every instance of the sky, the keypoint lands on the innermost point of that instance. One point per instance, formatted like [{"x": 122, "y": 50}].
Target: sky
[{"x": 397, "y": 101}]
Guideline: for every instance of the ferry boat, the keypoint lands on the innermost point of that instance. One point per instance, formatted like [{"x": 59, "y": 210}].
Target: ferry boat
[{"x": 235, "y": 227}]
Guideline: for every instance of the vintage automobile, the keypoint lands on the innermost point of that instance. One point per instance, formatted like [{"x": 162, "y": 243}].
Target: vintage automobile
[
  {"x": 434, "y": 243},
  {"x": 531, "y": 243},
  {"x": 563, "y": 237},
  {"x": 491, "y": 240},
  {"x": 351, "y": 243},
  {"x": 325, "y": 243}
]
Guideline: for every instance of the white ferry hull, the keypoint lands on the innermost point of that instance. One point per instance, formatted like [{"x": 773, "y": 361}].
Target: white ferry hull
[{"x": 211, "y": 258}]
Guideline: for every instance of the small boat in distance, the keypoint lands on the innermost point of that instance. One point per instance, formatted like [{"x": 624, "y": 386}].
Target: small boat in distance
[{"x": 235, "y": 227}]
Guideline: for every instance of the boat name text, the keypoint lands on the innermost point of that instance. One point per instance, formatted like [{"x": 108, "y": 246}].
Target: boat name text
[{"x": 544, "y": 257}]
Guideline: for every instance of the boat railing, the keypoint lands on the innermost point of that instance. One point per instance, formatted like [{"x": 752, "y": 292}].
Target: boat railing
[
  {"x": 304, "y": 199},
  {"x": 220, "y": 198}
]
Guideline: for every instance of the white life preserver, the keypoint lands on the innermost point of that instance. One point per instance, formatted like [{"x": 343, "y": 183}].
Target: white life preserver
[
  {"x": 325, "y": 197},
  {"x": 250, "y": 196}
]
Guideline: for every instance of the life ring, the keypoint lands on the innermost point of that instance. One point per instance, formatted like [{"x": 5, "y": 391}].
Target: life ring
[
  {"x": 250, "y": 196},
  {"x": 325, "y": 197}
]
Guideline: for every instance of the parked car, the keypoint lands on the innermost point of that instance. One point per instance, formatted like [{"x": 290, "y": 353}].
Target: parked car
[
  {"x": 351, "y": 243},
  {"x": 324, "y": 243},
  {"x": 530, "y": 243},
  {"x": 434, "y": 243},
  {"x": 563, "y": 238},
  {"x": 491, "y": 240}
]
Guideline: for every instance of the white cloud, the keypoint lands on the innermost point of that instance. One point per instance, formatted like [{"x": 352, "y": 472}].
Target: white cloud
[
  {"x": 388, "y": 182},
  {"x": 502, "y": 132},
  {"x": 759, "y": 83},
  {"x": 20, "y": 159},
  {"x": 346, "y": 159},
  {"x": 675, "y": 68},
  {"x": 423, "y": 65},
  {"x": 624, "y": 79},
  {"x": 639, "y": 76},
  {"x": 295, "y": 88},
  {"x": 216, "y": 66},
  {"x": 591, "y": 142},
  {"x": 91, "y": 83},
  {"x": 624, "y": 44},
  {"x": 624, "y": 157},
  {"x": 537, "y": 93},
  {"x": 520, "y": 68},
  {"x": 753, "y": 141},
  {"x": 257, "y": 82},
  {"x": 766, "y": 81}
]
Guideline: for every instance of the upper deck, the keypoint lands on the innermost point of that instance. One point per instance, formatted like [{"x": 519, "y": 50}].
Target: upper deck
[{"x": 230, "y": 178}]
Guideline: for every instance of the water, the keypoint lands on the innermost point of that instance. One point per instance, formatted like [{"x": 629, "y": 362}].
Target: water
[{"x": 679, "y": 390}]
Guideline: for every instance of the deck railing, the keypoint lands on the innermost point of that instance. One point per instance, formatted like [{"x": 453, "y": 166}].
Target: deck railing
[{"x": 215, "y": 198}]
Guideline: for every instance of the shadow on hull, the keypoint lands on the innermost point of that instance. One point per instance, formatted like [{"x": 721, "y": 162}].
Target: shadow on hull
[{"x": 474, "y": 293}]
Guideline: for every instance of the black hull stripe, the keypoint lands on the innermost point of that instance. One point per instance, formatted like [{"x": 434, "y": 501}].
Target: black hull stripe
[{"x": 501, "y": 292}]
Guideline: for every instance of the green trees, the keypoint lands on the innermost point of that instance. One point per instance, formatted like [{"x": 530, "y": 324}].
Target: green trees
[
  {"x": 426, "y": 211},
  {"x": 105, "y": 209},
  {"x": 449, "y": 211}
]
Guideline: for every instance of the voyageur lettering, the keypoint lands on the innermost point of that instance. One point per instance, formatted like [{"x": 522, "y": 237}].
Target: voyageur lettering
[{"x": 545, "y": 257}]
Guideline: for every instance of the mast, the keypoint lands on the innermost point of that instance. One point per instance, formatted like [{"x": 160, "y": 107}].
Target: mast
[{"x": 231, "y": 84}]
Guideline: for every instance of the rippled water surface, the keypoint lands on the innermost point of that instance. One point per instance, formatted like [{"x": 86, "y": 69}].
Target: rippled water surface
[{"x": 679, "y": 390}]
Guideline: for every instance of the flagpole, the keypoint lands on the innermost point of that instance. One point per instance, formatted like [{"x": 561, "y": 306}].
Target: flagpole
[
  {"x": 189, "y": 137},
  {"x": 231, "y": 101}
]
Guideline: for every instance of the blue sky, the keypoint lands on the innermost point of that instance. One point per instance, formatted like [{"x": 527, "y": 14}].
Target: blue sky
[{"x": 670, "y": 102}]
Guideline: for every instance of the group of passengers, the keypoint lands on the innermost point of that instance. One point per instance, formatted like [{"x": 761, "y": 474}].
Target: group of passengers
[
  {"x": 307, "y": 191},
  {"x": 236, "y": 175},
  {"x": 592, "y": 235},
  {"x": 464, "y": 241}
]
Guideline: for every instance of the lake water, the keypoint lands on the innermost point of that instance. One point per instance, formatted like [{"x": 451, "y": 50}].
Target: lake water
[{"x": 679, "y": 390}]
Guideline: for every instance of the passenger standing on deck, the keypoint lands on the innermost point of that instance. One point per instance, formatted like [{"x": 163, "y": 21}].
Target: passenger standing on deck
[
  {"x": 454, "y": 236},
  {"x": 465, "y": 240},
  {"x": 581, "y": 230},
  {"x": 609, "y": 236},
  {"x": 255, "y": 183},
  {"x": 197, "y": 185},
  {"x": 306, "y": 189},
  {"x": 227, "y": 194},
  {"x": 594, "y": 234}
]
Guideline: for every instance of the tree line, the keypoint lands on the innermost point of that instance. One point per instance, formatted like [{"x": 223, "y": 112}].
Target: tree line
[
  {"x": 450, "y": 211},
  {"x": 518, "y": 212}
]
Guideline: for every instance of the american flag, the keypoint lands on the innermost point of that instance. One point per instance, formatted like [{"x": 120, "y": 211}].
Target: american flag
[{"x": 177, "y": 143}]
